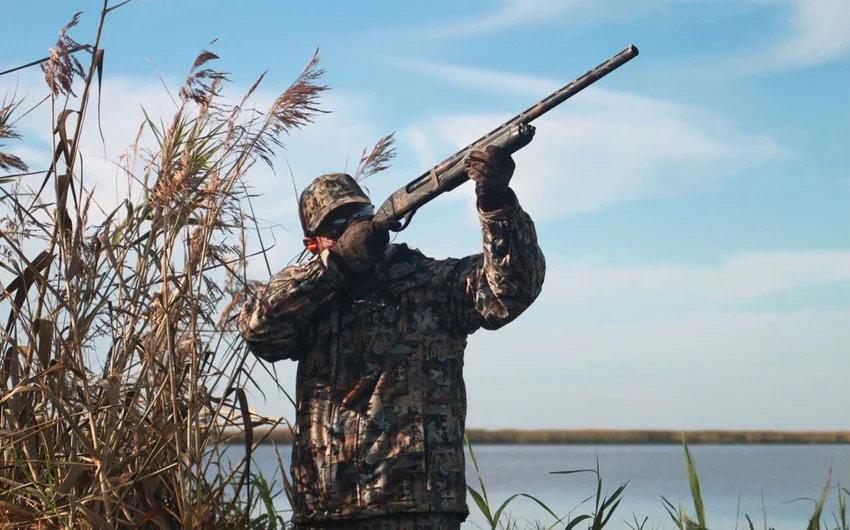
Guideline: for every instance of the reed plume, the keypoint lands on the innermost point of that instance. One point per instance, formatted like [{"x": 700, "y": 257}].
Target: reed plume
[
  {"x": 118, "y": 374},
  {"x": 377, "y": 159},
  {"x": 8, "y": 132}
]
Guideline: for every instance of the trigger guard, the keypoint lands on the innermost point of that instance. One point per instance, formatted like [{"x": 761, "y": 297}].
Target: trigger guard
[{"x": 407, "y": 218}]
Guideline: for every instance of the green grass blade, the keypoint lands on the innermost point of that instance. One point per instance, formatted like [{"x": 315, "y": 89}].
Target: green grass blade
[
  {"x": 570, "y": 472},
  {"x": 608, "y": 516},
  {"x": 639, "y": 525},
  {"x": 477, "y": 472},
  {"x": 615, "y": 496},
  {"x": 763, "y": 511},
  {"x": 152, "y": 126},
  {"x": 814, "y": 522},
  {"x": 598, "y": 484},
  {"x": 482, "y": 505},
  {"x": 576, "y": 521},
  {"x": 541, "y": 504},
  {"x": 673, "y": 512},
  {"x": 498, "y": 514},
  {"x": 693, "y": 480}
]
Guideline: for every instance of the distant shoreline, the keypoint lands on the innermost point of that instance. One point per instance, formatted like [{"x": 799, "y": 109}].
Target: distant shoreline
[{"x": 610, "y": 436}]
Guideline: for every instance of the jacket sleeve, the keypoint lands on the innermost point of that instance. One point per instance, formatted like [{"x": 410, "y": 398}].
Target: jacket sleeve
[
  {"x": 494, "y": 287},
  {"x": 274, "y": 321}
]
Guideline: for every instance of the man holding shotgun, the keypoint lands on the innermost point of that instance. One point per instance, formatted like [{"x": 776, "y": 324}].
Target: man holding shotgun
[{"x": 379, "y": 333}]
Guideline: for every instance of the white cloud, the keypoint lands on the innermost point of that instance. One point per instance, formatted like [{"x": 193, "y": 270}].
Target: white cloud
[
  {"x": 744, "y": 371},
  {"x": 695, "y": 370},
  {"x": 682, "y": 369},
  {"x": 599, "y": 148},
  {"x": 118, "y": 114},
  {"x": 811, "y": 31},
  {"x": 817, "y": 33},
  {"x": 333, "y": 143},
  {"x": 746, "y": 277},
  {"x": 602, "y": 147},
  {"x": 481, "y": 79},
  {"x": 510, "y": 13},
  {"x": 673, "y": 367}
]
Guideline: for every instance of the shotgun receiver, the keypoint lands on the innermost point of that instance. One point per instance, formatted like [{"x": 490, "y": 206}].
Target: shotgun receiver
[{"x": 513, "y": 135}]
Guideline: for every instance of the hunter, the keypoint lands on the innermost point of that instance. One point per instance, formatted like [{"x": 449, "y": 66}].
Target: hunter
[{"x": 379, "y": 332}]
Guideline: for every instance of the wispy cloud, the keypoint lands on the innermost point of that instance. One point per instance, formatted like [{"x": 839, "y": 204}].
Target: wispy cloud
[
  {"x": 653, "y": 374},
  {"x": 813, "y": 32},
  {"x": 480, "y": 79},
  {"x": 809, "y": 32},
  {"x": 600, "y": 148},
  {"x": 697, "y": 371},
  {"x": 745, "y": 277},
  {"x": 506, "y": 14},
  {"x": 333, "y": 143}
]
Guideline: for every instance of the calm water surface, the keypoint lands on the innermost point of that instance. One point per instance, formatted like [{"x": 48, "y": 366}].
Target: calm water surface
[{"x": 778, "y": 474}]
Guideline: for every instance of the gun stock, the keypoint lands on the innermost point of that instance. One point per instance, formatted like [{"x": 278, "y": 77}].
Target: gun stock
[{"x": 513, "y": 135}]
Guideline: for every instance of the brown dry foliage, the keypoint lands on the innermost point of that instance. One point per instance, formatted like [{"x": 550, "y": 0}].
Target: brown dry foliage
[
  {"x": 376, "y": 160},
  {"x": 63, "y": 67},
  {"x": 299, "y": 104},
  {"x": 8, "y": 132},
  {"x": 117, "y": 375}
]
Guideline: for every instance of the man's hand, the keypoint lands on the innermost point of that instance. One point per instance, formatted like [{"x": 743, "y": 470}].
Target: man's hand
[
  {"x": 491, "y": 170},
  {"x": 362, "y": 246}
]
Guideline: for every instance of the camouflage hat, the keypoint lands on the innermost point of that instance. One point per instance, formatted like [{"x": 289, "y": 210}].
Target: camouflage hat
[{"x": 326, "y": 194}]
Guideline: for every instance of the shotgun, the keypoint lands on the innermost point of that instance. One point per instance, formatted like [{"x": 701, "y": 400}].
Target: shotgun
[{"x": 513, "y": 135}]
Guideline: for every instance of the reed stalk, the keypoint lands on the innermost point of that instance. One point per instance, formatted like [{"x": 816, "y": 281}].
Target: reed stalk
[{"x": 121, "y": 367}]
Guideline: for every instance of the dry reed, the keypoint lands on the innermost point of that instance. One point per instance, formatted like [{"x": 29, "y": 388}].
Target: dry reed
[
  {"x": 9, "y": 161},
  {"x": 119, "y": 368},
  {"x": 377, "y": 159}
]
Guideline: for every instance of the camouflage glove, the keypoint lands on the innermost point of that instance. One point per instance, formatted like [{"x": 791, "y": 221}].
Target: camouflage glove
[
  {"x": 361, "y": 246},
  {"x": 491, "y": 170}
]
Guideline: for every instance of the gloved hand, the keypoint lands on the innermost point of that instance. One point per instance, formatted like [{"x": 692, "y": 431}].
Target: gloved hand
[
  {"x": 491, "y": 170},
  {"x": 362, "y": 245}
]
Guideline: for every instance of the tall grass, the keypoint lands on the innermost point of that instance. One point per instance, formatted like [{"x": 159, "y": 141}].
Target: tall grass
[
  {"x": 495, "y": 518},
  {"x": 604, "y": 506},
  {"x": 817, "y": 520},
  {"x": 120, "y": 369},
  {"x": 120, "y": 364}
]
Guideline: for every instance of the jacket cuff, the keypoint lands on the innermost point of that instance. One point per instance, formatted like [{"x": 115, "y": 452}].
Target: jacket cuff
[{"x": 504, "y": 211}]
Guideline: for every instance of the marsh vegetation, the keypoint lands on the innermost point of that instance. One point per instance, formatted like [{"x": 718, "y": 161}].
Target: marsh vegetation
[
  {"x": 120, "y": 365},
  {"x": 122, "y": 376}
]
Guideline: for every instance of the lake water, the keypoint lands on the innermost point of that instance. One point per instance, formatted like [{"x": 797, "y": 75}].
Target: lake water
[{"x": 786, "y": 478}]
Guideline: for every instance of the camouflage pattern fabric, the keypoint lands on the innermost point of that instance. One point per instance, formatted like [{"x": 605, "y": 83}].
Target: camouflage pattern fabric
[
  {"x": 325, "y": 194},
  {"x": 436, "y": 521},
  {"x": 381, "y": 401}
]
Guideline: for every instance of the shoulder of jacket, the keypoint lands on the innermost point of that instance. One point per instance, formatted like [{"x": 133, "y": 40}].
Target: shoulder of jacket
[
  {"x": 407, "y": 264},
  {"x": 405, "y": 259},
  {"x": 404, "y": 253}
]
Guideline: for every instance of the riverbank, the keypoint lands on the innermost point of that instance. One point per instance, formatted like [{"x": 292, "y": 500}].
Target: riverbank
[{"x": 614, "y": 436}]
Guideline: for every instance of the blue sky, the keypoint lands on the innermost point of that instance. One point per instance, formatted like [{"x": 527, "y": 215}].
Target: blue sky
[{"x": 693, "y": 205}]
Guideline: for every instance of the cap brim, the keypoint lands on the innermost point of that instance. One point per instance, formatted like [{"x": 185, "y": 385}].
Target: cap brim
[{"x": 336, "y": 205}]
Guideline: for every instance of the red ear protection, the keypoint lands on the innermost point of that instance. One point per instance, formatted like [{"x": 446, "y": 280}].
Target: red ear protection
[{"x": 312, "y": 246}]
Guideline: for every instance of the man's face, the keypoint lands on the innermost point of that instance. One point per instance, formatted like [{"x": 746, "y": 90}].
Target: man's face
[
  {"x": 336, "y": 222},
  {"x": 324, "y": 243}
]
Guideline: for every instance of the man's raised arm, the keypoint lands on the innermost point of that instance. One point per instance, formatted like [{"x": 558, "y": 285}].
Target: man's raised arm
[
  {"x": 273, "y": 321},
  {"x": 494, "y": 287}
]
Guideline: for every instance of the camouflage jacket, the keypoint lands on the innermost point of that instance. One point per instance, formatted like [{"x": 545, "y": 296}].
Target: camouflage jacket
[{"x": 381, "y": 402}]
